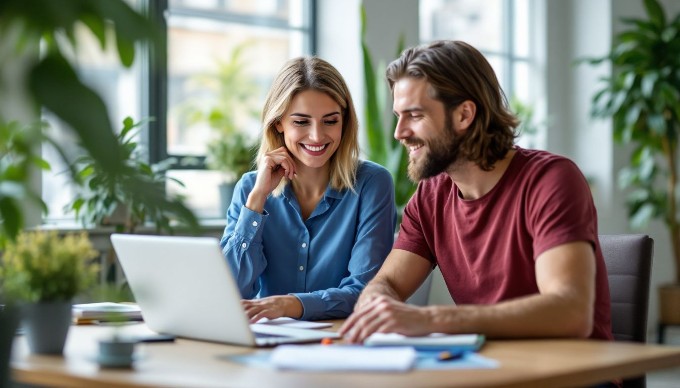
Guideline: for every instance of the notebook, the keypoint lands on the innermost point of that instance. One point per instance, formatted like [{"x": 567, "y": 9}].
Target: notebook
[{"x": 185, "y": 288}]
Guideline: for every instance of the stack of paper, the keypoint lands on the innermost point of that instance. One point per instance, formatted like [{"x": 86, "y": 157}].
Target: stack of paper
[
  {"x": 458, "y": 342},
  {"x": 337, "y": 357},
  {"x": 105, "y": 311}
]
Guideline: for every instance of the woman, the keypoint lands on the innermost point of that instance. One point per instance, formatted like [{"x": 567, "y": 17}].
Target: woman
[{"x": 313, "y": 224}]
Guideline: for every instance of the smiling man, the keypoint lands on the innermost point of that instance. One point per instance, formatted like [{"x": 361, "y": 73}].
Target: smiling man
[{"x": 514, "y": 231}]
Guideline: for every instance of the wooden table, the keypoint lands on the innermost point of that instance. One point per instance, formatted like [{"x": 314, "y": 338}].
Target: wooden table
[{"x": 186, "y": 363}]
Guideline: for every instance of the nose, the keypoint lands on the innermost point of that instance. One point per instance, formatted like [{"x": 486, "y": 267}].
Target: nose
[
  {"x": 401, "y": 130},
  {"x": 315, "y": 131}
]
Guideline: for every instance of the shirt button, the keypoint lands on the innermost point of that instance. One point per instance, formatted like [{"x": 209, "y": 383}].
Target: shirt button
[
  {"x": 254, "y": 223},
  {"x": 244, "y": 245},
  {"x": 304, "y": 245},
  {"x": 302, "y": 268}
]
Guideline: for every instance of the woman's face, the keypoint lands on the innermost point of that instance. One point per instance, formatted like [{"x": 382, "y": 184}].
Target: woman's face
[{"x": 312, "y": 128}]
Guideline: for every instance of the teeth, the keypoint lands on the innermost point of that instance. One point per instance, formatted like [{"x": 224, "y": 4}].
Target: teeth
[
  {"x": 414, "y": 147},
  {"x": 313, "y": 148}
]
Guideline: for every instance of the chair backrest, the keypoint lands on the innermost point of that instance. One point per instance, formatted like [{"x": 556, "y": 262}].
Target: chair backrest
[{"x": 628, "y": 258}]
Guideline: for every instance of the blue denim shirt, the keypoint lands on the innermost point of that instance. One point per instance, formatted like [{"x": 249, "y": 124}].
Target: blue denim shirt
[{"x": 326, "y": 260}]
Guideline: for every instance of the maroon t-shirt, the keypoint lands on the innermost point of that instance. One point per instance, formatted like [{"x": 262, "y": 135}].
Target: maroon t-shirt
[{"x": 486, "y": 248}]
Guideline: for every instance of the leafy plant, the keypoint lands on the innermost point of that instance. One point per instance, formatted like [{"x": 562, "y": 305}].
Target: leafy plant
[
  {"x": 41, "y": 266},
  {"x": 643, "y": 99},
  {"x": 102, "y": 196},
  {"x": 383, "y": 148},
  {"x": 18, "y": 156},
  {"x": 50, "y": 80},
  {"x": 233, "y": 99}
]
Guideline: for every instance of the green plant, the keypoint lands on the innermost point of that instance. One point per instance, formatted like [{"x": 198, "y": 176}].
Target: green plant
[
  {"x": 383, "y": 148},
  {"x": 50, "y": 81},
  {"x": 232, "y": 154},
  {"x": 41, "y": 266},
  {"x": 643, "y": 99},
  {"x": 102, "y": 196},
  {"x": 18, "y": 156},
  {"x": 232, "y": 101}
]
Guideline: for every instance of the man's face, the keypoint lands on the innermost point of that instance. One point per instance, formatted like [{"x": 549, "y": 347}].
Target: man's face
[{"x": 425, "y": 129}]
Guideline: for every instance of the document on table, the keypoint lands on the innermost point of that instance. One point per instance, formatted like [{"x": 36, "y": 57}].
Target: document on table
[
  {"x": 343, "y": 357},
  {"x": 457, "y": 342},
  {"x": 290, "y": 322}
]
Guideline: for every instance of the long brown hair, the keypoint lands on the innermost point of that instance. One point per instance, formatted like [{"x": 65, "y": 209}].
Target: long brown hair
[
  {"x": 457, "y": 72},
  {"x": 305, "y": 73}
]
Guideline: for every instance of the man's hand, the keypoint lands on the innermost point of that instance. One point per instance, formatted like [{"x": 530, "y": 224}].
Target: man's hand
[
  {"x": 383, "y": 314},
  {"x": 272, "y": 307}
]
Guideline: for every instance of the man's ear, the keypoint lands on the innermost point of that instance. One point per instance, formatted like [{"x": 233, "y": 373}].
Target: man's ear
[{"x": 464, "y": 115}]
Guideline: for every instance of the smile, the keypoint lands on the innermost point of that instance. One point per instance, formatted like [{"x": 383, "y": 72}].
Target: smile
[{"x": 314, "y": 148}]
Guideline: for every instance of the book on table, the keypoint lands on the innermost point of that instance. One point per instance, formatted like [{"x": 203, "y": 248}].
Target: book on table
[
  {"x": 435, "y": 341},
  {"x": 105, "y": 312}
]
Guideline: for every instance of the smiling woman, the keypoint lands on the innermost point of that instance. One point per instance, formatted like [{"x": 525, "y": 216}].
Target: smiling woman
[{"x": 311, "y": 227}]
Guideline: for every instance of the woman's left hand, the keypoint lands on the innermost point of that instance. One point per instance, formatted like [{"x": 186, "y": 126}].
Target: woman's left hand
[{"x": 272, "y": 307}]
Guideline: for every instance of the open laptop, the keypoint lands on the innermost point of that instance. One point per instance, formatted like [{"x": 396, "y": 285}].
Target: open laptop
[{"x": 185, "y": 288}]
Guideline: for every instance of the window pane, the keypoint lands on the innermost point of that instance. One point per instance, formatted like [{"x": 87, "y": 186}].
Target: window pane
[
  {"x": 222, "y": 57},
  {"x": 479, "y": 23},
  {"x": 521, "y": 28}
]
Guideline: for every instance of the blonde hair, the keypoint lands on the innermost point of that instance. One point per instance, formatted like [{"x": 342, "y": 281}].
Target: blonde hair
[{"x": 312, "y": 73}]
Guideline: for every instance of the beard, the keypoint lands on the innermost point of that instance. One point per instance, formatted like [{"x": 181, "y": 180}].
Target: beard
[{"x": 442, "y": 153}]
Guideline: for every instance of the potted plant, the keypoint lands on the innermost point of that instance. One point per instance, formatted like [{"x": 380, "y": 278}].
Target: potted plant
[
  {"x": 42, "y": 272},
  {"x": 126, "y": 199},
  {"x": 228, "y": 105},
  {"x": 643, "y": 99},
  {"x": 233, "y": 155}
]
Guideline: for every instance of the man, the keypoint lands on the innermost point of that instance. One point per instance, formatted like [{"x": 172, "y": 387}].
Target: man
[{"x": 514, "y": 231}]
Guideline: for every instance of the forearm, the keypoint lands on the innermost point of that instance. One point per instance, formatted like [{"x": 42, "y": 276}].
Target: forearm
[
  {"x": 548, "y": 315},
  {"x": 379, "y": 286}
]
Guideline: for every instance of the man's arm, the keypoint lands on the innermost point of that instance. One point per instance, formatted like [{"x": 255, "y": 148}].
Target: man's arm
[
  {"x": 399, "y": 277},
  {"x": 565, "y": 276}
]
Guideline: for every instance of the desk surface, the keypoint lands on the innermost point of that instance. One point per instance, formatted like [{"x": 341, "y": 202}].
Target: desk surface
[{"x": 186, "y": 363}]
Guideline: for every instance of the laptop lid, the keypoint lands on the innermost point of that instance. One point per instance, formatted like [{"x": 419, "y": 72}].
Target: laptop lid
[{"x": 185, "y": 288}]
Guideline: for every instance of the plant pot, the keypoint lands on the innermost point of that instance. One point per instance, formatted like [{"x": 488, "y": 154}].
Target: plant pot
[
  {"x": 116, "y": 353},
  {"x": 9, "y": 320},
  {"x": 669, "y": 304},
  {"x": 226, "y": 193},
  {"x": 47, "y": 325}
]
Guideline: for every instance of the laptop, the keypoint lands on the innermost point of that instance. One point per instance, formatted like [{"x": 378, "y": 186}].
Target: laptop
[{"x": 185, "y": 288}]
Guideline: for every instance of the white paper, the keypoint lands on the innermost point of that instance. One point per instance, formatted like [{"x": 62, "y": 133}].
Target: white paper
[
  {"x": 346, "y": 358},
  {"x": 290, "y": 322},
  {"x": 435, "y": 339}
]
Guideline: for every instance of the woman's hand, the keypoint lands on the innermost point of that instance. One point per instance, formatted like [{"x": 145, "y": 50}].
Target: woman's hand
[
  {"x": 272, "y": 307},
  {"x": 275, "y": 165}
]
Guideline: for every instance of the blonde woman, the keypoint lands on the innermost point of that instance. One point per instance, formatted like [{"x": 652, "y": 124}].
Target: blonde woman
[{"x": 309, "y": 228}]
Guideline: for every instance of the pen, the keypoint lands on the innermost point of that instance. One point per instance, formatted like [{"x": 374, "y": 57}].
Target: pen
[{"x": 448, "y": 356}]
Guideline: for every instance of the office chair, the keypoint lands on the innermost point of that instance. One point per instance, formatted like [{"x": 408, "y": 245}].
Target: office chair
[{"x": 628, "y": 259}]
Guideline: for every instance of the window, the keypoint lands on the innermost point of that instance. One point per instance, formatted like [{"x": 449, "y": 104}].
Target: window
[
  {"x": 203, "y": 38},
  {"x": 501, "y": 30}
]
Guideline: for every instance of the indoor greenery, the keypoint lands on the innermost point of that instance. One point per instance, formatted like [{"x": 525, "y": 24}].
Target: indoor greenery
[
  {"x": 643, "y": 99},
  {"x": 232, "y": 101},
  {"x": 42, "y": 266},
  {"x": 383, "y": 148},
  {"x": 18, "y": 157},
  {"x": 50, "y": 81},
  {"x": 103, "y": 199}
]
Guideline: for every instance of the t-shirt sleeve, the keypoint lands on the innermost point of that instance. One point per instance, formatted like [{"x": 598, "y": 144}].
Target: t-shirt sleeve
[
  {"x": 560, "y": 207},
  {"x": 411, "y": 235}
]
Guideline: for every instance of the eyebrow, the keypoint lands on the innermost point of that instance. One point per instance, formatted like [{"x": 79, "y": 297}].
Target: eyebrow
[
  {"x": 310, "y": 116},
  {"x": 409, "y": 110}
]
